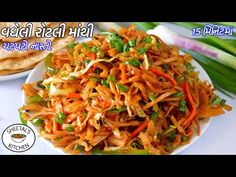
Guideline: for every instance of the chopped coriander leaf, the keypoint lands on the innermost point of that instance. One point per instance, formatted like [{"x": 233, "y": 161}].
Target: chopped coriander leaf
[
  {"x": 154, "y": 115},
  {"x": 141, "y": 50},
  {"x": 98, "y": 71},
  {"x": 178, "y": 94},
  {"x": 218, "y": 101},
  {"x": 37, "y": 122},
  {"x": 182, "y": 105},
  {"x": 132, "y": 43},
  {"x": 134, "y": 62},
  {"x": 162, "y": 79},
  {"x": 184, "y": 138},
  {"x": 40, "y": 84},
  {"x": 172, "y": 135},
  {"x": 122, "y": 88},
  {"x": 48, "y": 87},
  {"x": 59, "y": 138},
  {"x": 126, "y": 48},
  {"x": 115, "y": 110},
  {"x": 58, "y": 120},
  {"x": 158, "y": 45},
  {"x": 172, "y": 126},
  {"x": 189, "y": 67},
  {"x": 104, "y": 83},
  {"x": 72, "y": 45},
  {"x": 73, "y": 78},
  {"x": 61, "y": 115},
  {"x": 94, "y": 49},
  {"x": 84, "y": 45},
  {"x": 152, "y": 96},
  {"x": 69, "y": 128},
  {"x": 165, "y": 66},
  {"x": 169, "y": 148},
  {"x": 119, "y": 45},
  {"x": 147, "y": 39},
  {"x": 78, "y": 147},
  {"x": 111, "y": 78}
]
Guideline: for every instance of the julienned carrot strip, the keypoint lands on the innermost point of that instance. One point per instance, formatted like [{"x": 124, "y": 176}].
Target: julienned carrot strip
[
  {"x": 123, "y": 72},
  {"x": 74, "y": 95},
  {"x": 162, "y": 74},
  {"x": 138, "y": 130},
  {"x": 190, "y": 102}
]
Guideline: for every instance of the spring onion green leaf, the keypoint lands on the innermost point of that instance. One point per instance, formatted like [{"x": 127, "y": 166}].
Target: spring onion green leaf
[
  {"x": 122, "y": 87},
  {"x": 61, "y": 115},
  {"x": 152, "y": 96},
  {"x": 147, "y": 39},
  {"x": 141, "y": 50},
  {"x": 132, "y": 42},
  {"x": 40, "y": 85},
  {"x": 178, "y": 94},
  {"x": 37, "y": 121},
  {"x": 182, "y": 105},
  {"x": 134, "y": 62},
  {"x": 35, "y": 99},
  {"x": 104, "y": 83},
  {"x": 184, "y": 138},
  {"x": 165, "y": 66},
  {"x": 22, "y": 119},
  {"x": 69, "y": 128},
  {"x": 111, "y": 78},
  {"x": 115, "y": 110},
  {"x": 58, "y": 120}
]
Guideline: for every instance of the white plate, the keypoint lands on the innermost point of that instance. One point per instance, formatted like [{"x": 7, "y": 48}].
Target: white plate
[
  {"x": 37, "y": 74},
  {"x": 15, "y": 76}
]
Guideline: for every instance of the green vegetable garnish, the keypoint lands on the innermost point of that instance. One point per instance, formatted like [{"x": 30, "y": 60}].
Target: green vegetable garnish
[
  {"x": 154, "y": 116},
  {"x": 111, "y": 78},
  {"x": 94, "y": 49},
  {"x": 86, "y": 62},
  {"x": 35, "y": 99},
  {"x": 182, "y": 105},
  {"x": 126, "y": 48},
  {"x": 134, "y": 62},
  {"x": 58, "y": 120},
  {"x": 48, "y": 64},
  {"x": 122, "y": 87},
  {"x": 132, "y": 43},
  {"x": 40, "y": 85},
  {"x": 104, "y": 82},
  {"x": 141, "y": 51},
  {"x": 69, "y": 128},
  {"x": 84, "y": 45},
  {"x": 152, "y": 96},
  {"x": 115, "y": 110},
  {"x": 22, "y": 114},
  {"x": 61, "y": 115},
  {"x": 48, "y": 87},
  {"x": 184, "y": 138},
  {"x": 78, "y": 147},
  {"x": 218, "y": 101},
  {"x": 37, "y": 122},
  {"x": 165, "y": 66},
  {"x": 190, "y": 67},
  {"x": 147, "y": 39},
  {"x": 172, "y": 135},
  {"x": 72, "y": 45},
  {"x": 178, "y": 94}
]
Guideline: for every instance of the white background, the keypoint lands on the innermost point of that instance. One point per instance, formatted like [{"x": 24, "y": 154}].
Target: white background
[{"x": 219, "y": 138}]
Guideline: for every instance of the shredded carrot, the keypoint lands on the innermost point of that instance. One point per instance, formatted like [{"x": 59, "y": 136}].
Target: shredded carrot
[
  {"x": 190, "y": 103},
  {"x": 166, "y": 76},
  {"x": 123, "y": 72},
  {"x": 138, "y": 130},
  {"x": 74, "y": 95}
]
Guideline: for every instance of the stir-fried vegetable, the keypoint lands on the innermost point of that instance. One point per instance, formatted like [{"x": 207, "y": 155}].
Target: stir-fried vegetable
[{"x": 123, "y": 92}]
